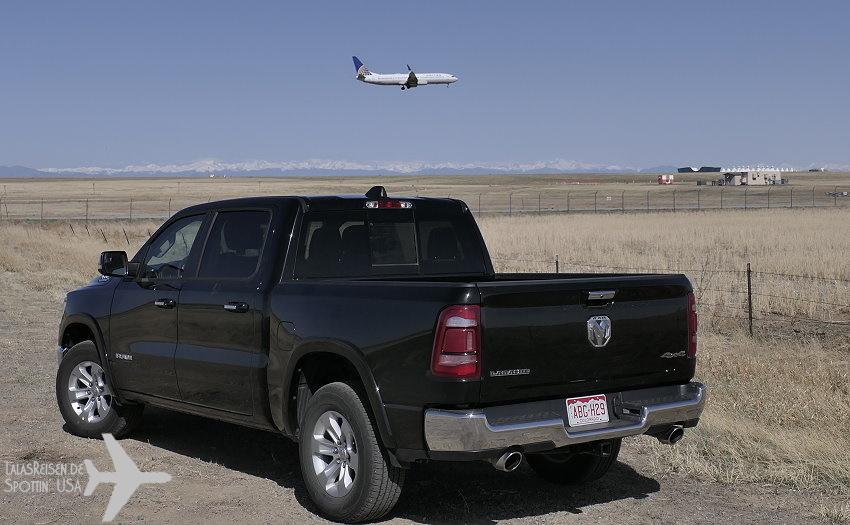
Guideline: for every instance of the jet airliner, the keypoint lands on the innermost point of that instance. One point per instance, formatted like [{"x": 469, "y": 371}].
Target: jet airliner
[
  {"x": 127, "y": 477},
  {"x": 407, "y": 80}
]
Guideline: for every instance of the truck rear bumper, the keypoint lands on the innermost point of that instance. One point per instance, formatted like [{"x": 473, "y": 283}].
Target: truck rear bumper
[{"x": 631, "y": 413}]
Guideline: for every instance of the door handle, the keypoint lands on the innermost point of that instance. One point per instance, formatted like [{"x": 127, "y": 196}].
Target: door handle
[
  {"x": 165, "y": 303},
  {"x": 236, "y": 307}
]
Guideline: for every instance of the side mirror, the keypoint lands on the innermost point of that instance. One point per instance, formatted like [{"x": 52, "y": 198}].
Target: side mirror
[{"x": 113, "y": 264}]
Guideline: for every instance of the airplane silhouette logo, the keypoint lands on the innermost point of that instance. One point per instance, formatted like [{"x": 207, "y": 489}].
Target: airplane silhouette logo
[{"x": 127, "y": 477}]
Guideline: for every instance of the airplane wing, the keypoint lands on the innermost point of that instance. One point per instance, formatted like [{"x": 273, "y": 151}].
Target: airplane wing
[
  {"x": 120, "y": 494},
  {"x": 412, "y": 81},
  {"x": 124, "y": 466}
]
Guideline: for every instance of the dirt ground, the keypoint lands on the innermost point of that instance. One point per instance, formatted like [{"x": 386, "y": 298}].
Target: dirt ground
[{"x": 224, "y": 473}]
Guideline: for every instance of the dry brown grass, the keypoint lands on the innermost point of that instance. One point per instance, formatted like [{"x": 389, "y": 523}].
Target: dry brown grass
[
  {"x": 55, "y": 257},
  {"x": 779, "y": 407},
  {"x": 111, "y": 197},
  {"x": 711, "y": 247}
]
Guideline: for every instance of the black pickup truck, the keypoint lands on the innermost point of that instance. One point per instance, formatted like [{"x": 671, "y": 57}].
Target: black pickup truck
[{"x": 374, "y": 331}]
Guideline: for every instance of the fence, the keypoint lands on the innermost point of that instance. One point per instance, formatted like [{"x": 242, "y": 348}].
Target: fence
[
  {"x": 750, "y": 299},
  {"x": 582, "y": 200},
  {"x": 660, "y": 199}
]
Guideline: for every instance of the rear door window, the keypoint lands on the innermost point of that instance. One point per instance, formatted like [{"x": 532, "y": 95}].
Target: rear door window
[{"x": 235, "y": 245}]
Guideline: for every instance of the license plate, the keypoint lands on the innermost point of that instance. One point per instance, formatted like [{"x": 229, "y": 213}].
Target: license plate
[{"x": 587, "y": 410}]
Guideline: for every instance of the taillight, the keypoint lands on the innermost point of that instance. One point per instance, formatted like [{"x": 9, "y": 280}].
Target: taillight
[
  {"x": 693, "y": 325},
  {"x": 389, "y": 204},
  {"x": 457, "y": 343}
]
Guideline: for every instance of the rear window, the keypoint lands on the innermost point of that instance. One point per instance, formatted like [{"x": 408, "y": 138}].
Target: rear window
[{"x": 385, "y": 243}]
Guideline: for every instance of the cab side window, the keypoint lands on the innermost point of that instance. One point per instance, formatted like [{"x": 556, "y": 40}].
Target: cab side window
[
  {"x": 168, "y": 254},
  {"x": 235, "y": 245}
]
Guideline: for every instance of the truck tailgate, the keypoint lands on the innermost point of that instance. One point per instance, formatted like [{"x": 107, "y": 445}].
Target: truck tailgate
[{"x": 536, "y": 343}]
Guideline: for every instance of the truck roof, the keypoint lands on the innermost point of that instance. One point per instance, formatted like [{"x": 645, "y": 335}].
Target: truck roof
[{"x": 326, "y": 203}]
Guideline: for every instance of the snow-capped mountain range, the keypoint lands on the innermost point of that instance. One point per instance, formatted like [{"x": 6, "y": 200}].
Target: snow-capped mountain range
[
  {"x": 320, "y": 167},
  {"x": 249, "y": 168}
]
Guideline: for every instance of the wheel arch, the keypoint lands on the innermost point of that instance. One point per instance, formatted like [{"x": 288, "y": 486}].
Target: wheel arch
[
  {"x": 324, "y": 362},
  {"x": 81, "y": 327}
]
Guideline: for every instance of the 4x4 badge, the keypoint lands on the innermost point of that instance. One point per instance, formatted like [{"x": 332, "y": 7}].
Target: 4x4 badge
[{"x": 599, "y": 330}]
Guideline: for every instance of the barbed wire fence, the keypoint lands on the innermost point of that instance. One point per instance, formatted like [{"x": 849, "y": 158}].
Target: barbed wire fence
[
  {"x": 752, "y": 299},
  {"x": 585, "y": 200}
]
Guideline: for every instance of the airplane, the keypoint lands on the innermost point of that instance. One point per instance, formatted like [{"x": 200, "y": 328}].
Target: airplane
[
  {"x": 127, "y": 477},
  {"x": 407, "y": 81}
]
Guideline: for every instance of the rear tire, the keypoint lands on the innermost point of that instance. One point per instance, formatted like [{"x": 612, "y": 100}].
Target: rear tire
[
  {"x": 343, "y": 464},
  {"x": 575, "y": 468},
  {"x": 86, "y": 399}
]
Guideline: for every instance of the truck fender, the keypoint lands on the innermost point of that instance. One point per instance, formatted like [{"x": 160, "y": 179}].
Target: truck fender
[
  {"x": 280, "y": 402},
  {"x": 99, "y": 341}
]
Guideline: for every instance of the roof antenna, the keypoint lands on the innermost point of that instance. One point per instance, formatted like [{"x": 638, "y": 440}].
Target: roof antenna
[{"x": 377, "y": 192}]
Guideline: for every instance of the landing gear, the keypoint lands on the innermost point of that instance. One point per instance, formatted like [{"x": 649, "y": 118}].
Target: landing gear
[{"x": 402, "y": 88}]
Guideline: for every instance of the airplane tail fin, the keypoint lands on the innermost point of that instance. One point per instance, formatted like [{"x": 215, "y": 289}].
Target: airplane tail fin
[
  {"x": 361, "y": 68},
  {"x": 95, "y": 477}
]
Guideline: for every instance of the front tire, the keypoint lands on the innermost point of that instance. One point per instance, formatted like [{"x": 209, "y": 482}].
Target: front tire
[
  {"x": 342, "y": 463},
  {"x": 86, "y": 399},
  {"x": 575, "y": 467}
]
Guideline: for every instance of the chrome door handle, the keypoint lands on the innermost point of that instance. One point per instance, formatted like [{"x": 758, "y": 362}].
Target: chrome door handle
[
  {"x": 165, "y": 303},
  {"x": 236, "y": 307}
]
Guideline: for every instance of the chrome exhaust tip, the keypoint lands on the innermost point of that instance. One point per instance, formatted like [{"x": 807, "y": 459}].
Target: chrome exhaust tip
[
  {"x": 671, "y": 436},
  {"x": 508, "y": 462}
]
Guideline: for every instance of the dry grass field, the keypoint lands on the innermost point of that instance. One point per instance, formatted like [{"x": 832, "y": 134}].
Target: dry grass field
[
  {"x": 159, "y": 197},
  {"x": 779, "y": 409}
]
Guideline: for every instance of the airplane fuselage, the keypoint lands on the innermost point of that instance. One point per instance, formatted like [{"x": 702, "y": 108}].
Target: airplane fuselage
[
  {"x": 400, "y": 79},
  {"x": 405, "y": 80}
]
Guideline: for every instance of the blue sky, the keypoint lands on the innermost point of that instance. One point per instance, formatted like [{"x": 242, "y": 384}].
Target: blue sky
[{"x": 112, "y": 83}]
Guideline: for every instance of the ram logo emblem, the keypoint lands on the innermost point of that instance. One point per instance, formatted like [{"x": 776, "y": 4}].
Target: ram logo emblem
[{"x": 599, "y": 330}]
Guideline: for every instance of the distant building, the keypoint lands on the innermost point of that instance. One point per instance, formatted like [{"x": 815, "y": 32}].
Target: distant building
[
  {"x": 704, "y": 169},
  {"x": 760, "y": 177}
]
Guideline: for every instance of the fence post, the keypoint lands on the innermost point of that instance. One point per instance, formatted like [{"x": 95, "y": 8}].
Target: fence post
[
  {"x": 792, "y": 198},
  {"x": 557, "y": 266},
  {"x": 594, "y": 201},
  {"x": 568, "y": 201},
  {"x": 750, "y": 297},
  {"x": 835, "y": 196},
  {"x": 698, "y": 192},
  {"x": 813, "y": 196},
  {"x": 623, "y": 201},
  {"x": 479, "y": 205},
  {"x": 721, "y": 197},
  {"x": 87, "y": 212},
  {"x": 768, "y": 197},
  {"x": 745, "y": 196},
  {"x": 42, "y": 211},
  {"x": 647, "y": 201},
  {"x": 538, "y": 203},
  {"x": 674, "y": 200},
  {"x": 169, "y": 207},
  {"x": 510, "y": 204}
]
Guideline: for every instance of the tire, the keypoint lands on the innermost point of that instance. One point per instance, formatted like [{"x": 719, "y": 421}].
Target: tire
[
  {"x": 575, "y": 467},
  {"x": 343, "y": 465},
  {"x": 86, "y": 399}
]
